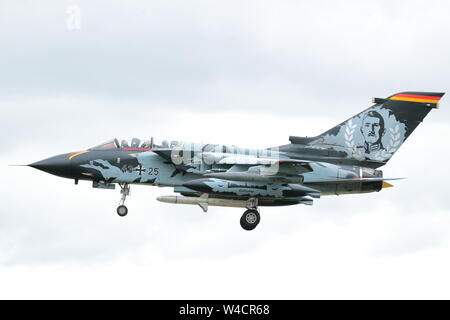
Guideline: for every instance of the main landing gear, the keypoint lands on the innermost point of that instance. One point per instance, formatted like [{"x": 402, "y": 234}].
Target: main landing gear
[
  {"x": 122, "y": 210},
  {"x": 251, "y": 218}
]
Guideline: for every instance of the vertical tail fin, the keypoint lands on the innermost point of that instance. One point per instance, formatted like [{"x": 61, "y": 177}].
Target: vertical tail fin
[{"x": 379, "y": 131}]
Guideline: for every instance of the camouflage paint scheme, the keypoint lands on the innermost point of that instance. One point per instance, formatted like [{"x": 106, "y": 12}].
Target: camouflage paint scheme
[{"x": 342, "y": 160}]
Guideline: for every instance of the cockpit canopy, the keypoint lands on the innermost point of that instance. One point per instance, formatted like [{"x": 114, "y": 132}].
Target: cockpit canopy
[
  {"x": 138, "y": 145},
  {"x": 135, "y": 143}
]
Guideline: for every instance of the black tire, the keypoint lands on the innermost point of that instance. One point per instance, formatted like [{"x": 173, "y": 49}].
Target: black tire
[
  {"x": 250, "y": 219},
  {"x": 122, "y": 211}
]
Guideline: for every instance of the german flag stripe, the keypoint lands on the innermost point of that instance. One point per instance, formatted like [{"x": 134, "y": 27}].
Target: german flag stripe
[{"x": 415, "y": 98}]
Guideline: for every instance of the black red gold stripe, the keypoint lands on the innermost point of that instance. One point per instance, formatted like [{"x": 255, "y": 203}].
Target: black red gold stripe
[{"x": 415, "y": 98}]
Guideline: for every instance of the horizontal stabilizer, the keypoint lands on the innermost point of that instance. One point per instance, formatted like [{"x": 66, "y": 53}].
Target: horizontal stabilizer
[{"x": 355, "y": 180}]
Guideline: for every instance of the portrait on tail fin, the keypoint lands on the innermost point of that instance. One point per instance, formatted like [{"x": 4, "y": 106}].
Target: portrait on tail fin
[
  {"x": 374, "y": 134},
  {"x": 372, "y": 129},
  {"x": 380, "y": 134}
]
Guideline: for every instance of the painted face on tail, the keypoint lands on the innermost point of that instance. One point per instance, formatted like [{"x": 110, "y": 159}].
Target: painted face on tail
[{"x": 372, "y": 127}]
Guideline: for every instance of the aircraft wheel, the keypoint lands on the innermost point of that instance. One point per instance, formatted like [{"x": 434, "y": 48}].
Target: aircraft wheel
[
  {"x": 250, "y": 219},
  {"x": 122, "y": 210}
]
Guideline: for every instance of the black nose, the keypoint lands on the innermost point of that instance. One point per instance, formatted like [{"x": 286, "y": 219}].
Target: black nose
[{"x": 57, "y": 165}]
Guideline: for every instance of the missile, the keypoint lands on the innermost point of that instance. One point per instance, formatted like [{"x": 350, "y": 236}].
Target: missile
[{"x": 203, "y": 201}]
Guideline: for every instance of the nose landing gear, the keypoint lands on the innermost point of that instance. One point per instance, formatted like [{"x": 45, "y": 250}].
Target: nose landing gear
[{"x": 122, "y": 210}]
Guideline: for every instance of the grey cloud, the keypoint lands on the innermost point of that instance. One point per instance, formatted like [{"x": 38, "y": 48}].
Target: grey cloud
[{"x": 257, "y": 58}]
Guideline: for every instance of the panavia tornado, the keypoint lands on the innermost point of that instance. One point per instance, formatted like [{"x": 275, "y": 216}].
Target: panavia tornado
[{"x": 342, "y": 160}]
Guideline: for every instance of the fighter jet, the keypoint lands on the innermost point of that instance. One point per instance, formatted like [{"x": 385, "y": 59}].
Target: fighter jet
[{"x": 343, "y": 160}]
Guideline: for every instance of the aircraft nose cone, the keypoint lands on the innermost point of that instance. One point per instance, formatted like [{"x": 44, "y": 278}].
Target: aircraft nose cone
[{"x": 57, "y": 165}]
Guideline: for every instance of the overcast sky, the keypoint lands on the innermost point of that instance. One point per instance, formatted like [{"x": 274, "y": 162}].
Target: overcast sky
[{"x": 248, "y": 73}]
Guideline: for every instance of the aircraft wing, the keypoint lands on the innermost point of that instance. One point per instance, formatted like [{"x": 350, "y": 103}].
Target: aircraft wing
[
  {"x": 288, "y": 166},
  {"x": 259, "y": 169},
  {"x": 265, "y": 170}
]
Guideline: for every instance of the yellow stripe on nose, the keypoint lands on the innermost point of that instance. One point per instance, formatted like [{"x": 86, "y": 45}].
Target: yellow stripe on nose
[{"x": 77, "y": 154}]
